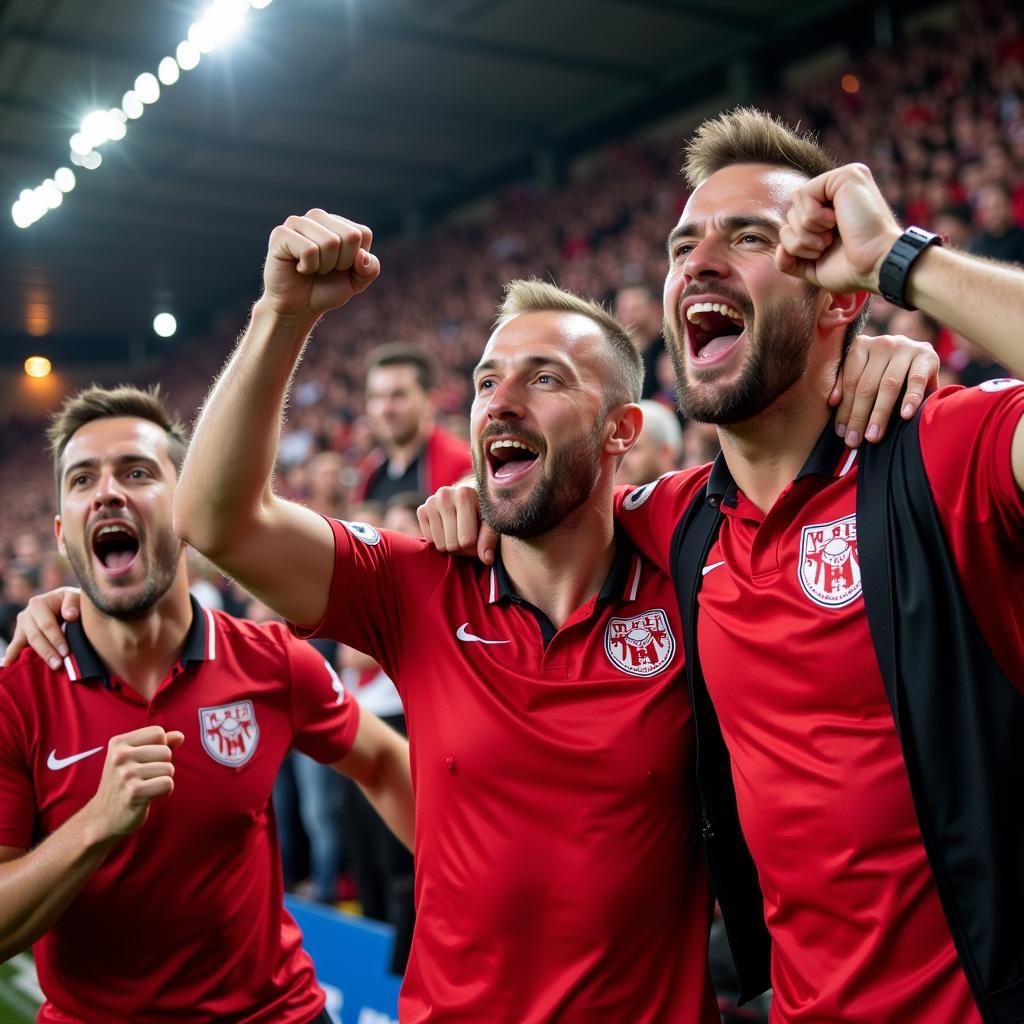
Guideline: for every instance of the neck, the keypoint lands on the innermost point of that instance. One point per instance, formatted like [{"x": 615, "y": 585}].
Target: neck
[
  {"x": 565, "y": 567},
  {"x": 765, "y": 454},
  {"x": 142, "y": 651},
  {"x": 401, "y": 453}
]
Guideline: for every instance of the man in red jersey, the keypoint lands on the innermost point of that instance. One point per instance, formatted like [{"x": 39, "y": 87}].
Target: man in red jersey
[
  {"x": 558, "y": 874},
  {"x": 137, "y": 844},
  {"x": 860, "y": 614},
  {"x": 857, "y": 638}
]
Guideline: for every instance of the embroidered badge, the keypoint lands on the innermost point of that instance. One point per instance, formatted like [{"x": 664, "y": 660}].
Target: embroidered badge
[
  {"x": 642, "y": 645},
  {"x": 829, "y": 566},
  {"x": 1002, "y": 384},
  {"x": 362, "y": 531},
  {"x": 229, "y": 732},
  {"x": 636, "y": 498}
]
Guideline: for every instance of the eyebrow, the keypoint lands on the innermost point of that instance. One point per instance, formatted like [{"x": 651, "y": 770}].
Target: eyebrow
[
  {"x": 729, "y": 223},
  {"x": 528, "y": 362},
  {"x": 119, "y": 461}
]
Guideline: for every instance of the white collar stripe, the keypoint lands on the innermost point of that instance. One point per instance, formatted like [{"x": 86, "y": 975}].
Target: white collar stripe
[
  {"x": 494, "y": 587},
  {"x": 848, "y": 465},
  {"x": 635, "y": 586},
  {"x": 211, "y": 636},
  {"x": 70, "y": 666}
]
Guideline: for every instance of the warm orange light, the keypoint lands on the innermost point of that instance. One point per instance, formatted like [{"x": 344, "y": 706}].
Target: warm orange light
[
  {"x": 850, "y": 83},
  {"x": 38, "y": 366}
]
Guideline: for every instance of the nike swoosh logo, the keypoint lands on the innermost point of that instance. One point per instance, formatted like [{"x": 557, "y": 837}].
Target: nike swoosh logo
[
  {"x": 464, "y": 634},
  {"x": 708, "y": 568},
  {"x": 56, "y": 763}
]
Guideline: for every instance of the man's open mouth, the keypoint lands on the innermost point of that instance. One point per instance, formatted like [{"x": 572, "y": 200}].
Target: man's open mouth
[
  {"x": 712, "y": 328},
  {"x": 116, "y": 546},
  {"x": 509, "y": 459}
]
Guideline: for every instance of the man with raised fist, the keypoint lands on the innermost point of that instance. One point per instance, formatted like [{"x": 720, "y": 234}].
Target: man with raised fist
[{"x": 137, "y": 841}]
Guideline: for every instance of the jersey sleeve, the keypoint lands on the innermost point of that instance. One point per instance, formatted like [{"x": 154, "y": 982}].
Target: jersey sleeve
[
  {"x": 650, "y": 513},
  {"x": 17, "y": 797},
  {"x": 966, "y": 441},
  {"x": 381, "y": 582},
  {"x": 325, "y": 717}
]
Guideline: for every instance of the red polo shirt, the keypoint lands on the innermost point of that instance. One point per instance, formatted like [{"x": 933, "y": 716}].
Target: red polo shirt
[
  {"x": 858, "y": 932},
  {"x": 558, "y": 874},
  {"x": 184, "y": 919}
]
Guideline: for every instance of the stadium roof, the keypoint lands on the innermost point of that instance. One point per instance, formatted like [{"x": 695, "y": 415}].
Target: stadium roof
[{"x": 391, "y": 111}]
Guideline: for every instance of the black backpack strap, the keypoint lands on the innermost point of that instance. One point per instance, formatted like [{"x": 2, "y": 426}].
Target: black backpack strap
[{"x": 730, "y": 866}]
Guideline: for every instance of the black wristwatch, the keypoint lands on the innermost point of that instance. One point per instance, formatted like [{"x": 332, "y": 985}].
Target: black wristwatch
[{"x": 892, "y": 275}]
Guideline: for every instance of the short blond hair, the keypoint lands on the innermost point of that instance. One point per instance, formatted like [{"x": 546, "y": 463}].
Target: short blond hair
[
  {"x": 747, "y": 135},
  {"x": 531, "y": 295}
]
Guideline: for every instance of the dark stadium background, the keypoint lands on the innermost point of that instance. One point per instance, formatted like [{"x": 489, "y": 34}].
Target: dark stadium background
[{"x": 481, "y": 139}]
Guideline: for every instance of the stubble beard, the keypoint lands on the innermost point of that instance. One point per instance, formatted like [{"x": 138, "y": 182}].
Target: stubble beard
[
  {"x": 561, "y": 488},
  {"x": 778, "y": 353},
  {"x": 135, "y": 603}
]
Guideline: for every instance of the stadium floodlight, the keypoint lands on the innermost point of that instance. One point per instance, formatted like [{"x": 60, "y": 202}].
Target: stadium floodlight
[
  {"x": 64, "y": 178},
  {"x": 168, "y": 71},
  {"x": 187, "y": 55},
  {"x": 38, "y": 366},
  {"x": 222, "y": 20},
  {"x": 132, "y": 105},
  {"x": 165, "y": 325},
  {"x": 219, "y": 23},
  {"x": 147, "y": 88},
  {"x": 95, "y": 128},
  {"x": 21, "y": 214},
  {"x": 50, "y": 194},
  {"x": 79, "y": 144},
  {"x": 117, "y": 126}
]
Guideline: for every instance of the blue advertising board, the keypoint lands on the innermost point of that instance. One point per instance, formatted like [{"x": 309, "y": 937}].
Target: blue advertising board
[{"x": 351, "y": 955}]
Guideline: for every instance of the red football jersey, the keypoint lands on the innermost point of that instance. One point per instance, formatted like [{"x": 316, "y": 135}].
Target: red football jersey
[
  {"x": 558, "y": 871},
  {"x": 858, "y": 932},
  {"x": 185, "y": 918}
]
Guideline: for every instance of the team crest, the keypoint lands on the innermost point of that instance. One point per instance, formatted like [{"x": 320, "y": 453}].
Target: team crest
[
  {"x": 642, "y": 645},
  {"x": 229, "y": 732},
  {"x": 829, "y": 564},
  {"x": 362, "y": 531},
  {"x": 637, "y": 497}
]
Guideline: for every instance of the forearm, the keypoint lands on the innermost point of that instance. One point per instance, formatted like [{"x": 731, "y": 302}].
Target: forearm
[
  {"x": 980, "y": 299},
  {"x": 36, "y": 888},
  {"x": 225, "y": 482},
  {"x": 390, "y": 793}
]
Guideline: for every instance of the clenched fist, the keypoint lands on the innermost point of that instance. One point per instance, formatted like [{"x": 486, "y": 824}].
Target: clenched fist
[
  {"x": 316, "y": 263},
  {"x": 138, "y": 769}
]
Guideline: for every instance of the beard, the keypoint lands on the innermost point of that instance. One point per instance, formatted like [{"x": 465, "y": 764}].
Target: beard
[
  {"x": 127, "y": 602},
  {"x": 778, "y": 353},
  {"x": 562, "y": 487}
]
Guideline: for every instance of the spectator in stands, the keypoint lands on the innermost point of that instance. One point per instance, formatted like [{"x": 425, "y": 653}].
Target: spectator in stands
[
  {"x": 325, "y": 479},
  {"x": 1000, "y": 238},
  {"x": 658, "y": 449},
  {"x": 638, "y": 309},
  {"x": 414, "y": 454}
]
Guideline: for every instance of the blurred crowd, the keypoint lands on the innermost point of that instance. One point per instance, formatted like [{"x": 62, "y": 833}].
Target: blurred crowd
[{"x": 939, "y": 119}]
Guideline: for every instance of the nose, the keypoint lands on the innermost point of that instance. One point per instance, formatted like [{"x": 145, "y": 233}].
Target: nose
[
  {"x": 505, "y": 402},
  {"x": 707, "y": 259},
  {"x": 108, "y": 493}
]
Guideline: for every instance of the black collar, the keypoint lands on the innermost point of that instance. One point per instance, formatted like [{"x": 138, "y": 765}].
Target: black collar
[
  {"x": 90, "y": 666},
  {"x": 824, "y": 460},
  {"x": 613, "y": 588}
]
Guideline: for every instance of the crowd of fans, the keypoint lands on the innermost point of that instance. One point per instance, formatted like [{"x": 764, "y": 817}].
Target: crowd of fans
[{"x": 939, "y": 119}]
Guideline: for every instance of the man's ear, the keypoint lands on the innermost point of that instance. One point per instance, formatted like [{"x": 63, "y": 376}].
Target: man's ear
[
  {"x": 627, "y": 421},
  {"x": 58, "y": 532},
  {"x": 841, "y": 310}
]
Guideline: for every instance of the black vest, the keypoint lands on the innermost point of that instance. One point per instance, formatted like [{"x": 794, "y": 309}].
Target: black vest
[{"x": 959, "y": 719}]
